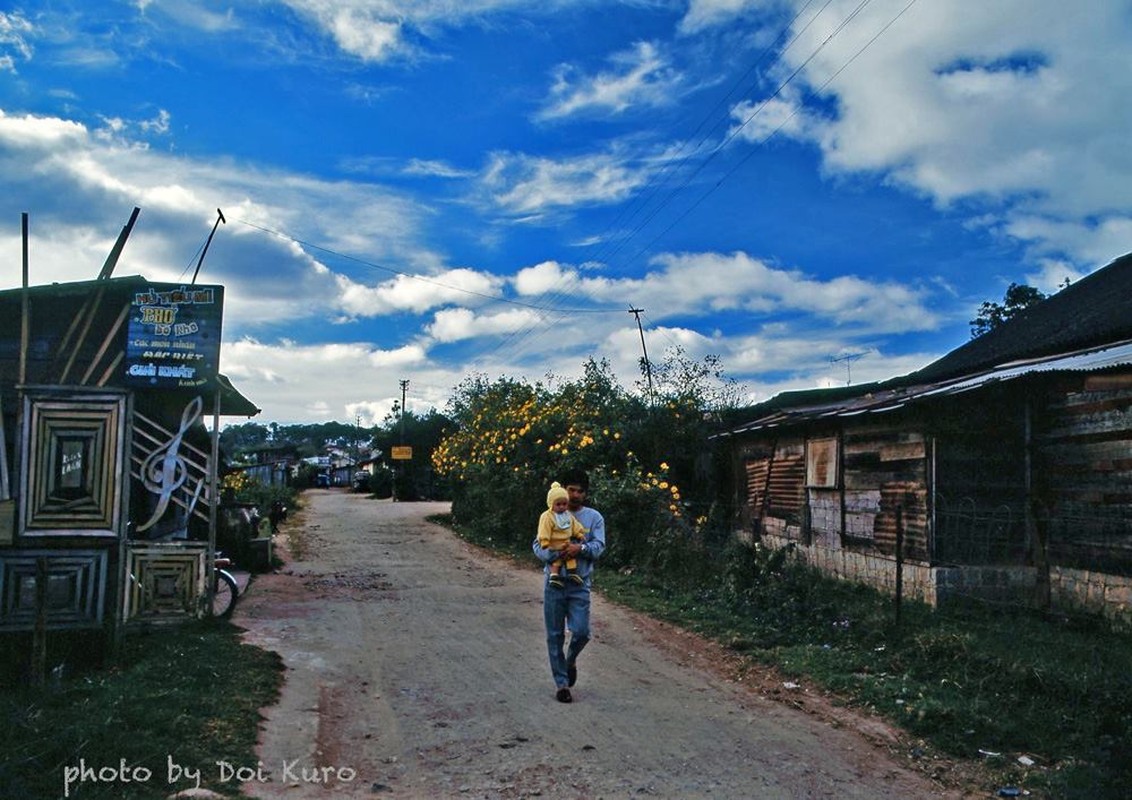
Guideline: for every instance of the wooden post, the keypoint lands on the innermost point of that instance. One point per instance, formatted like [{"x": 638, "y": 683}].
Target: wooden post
[
  {"x": 39, "y": 636},
  {"x": 214, "y": 502},
  {"x": 899, "y": 560},
  {"x": 1037, "y": 519},
  {"x": 25, "y": 318}
]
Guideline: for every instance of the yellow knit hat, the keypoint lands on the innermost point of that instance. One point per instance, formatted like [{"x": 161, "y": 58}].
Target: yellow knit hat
[{"x": 556, "y": 492}]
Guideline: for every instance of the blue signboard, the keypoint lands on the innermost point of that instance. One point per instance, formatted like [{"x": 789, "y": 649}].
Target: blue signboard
[{"x": 173, "y": 339}]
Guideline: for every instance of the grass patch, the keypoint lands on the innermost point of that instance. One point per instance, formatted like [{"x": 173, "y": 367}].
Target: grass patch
[
  {"x": 468, "y": 534},
  {"x": 190, "y": 694}
]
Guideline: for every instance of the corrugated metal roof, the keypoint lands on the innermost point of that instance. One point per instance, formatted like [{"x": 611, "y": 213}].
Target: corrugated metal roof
[
  {"x": 1092, "y": 360},
  {"x": 1091, "y": 312},
  {"x": 881, "y": 401}
]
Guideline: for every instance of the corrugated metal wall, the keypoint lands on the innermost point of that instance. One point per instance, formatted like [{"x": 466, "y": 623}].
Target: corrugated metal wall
[{"x": 775, "y": 478}]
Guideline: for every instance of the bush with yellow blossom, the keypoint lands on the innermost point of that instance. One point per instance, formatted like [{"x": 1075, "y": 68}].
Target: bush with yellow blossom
[{"x": 514, "y": 437}]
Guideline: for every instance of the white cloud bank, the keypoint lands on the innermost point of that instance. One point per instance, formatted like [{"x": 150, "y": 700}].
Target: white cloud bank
[{"x": 1010, "y": 105}]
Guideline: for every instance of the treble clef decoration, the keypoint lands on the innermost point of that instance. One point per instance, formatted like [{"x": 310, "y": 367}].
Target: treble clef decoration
[{"x": 163, "y": 472}]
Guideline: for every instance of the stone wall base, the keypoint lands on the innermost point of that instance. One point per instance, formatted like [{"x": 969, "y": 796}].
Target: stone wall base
[{"x": 1070, "y": 589}]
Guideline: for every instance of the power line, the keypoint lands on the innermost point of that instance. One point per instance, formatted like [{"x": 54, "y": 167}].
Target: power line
[
  {"x": 667, "y": 171},
  {"x": 767, "y": 138},
  {"x": 558, "y": 292},
  {"x": 547, "y": 309},
  {"x": 731, "y": 136},
  {"x": 844, "y": 23}
]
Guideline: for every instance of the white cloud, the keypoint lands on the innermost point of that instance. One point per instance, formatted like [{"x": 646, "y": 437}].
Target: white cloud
[
  {"x": 704, "y": 14},
  {"x": 28, "y": 132},
  {"x": 706, "y": 283},
  {"x": 305, "y": 382},
  {"x": 457, "y": 324},
  {"x": 435, "y": 169},
  {"x": 362, "y": 35},
  {"x": 1017, "y": 102},
  {"x": 532, "y": 185},
  {"x": 1052, "y": 274},
  {"x": 1093, "y": 242},
  {"x": 15, "y": 35},
  {"x": 194, "y": 15},
  {"x": 416, "y": 294},
  {"x": 641, "y": 77},
  {"x": 379, "y": 30},
  {"x": 544, "y": 278},
  {"x": 159, "y": 124},
  {"x": 94, "y": 180},
  {"x": 758, "y": 121}
]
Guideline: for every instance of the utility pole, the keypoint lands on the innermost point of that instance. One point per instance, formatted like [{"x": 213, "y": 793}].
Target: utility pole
[
  {"x": 404, "y": 385},
  {"x": 636, "y": 312}
]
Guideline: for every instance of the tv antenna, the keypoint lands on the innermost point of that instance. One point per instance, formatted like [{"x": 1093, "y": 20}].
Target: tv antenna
[{"x": 848, "y": 358}]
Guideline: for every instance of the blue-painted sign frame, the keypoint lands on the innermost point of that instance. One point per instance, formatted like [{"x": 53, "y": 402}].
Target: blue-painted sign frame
[{"x": 173, "y": 338}]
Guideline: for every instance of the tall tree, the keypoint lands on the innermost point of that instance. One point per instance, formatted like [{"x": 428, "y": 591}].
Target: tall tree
[{"x": 1017, "y": 299}]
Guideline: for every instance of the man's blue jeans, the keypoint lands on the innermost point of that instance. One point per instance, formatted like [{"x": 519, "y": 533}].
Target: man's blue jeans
[{"x": 569, "y": 606}]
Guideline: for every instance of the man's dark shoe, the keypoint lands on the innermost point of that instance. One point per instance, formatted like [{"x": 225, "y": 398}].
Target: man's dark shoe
[
  {"x": 572, "y": 673},
  {"x": 563, "y": 696}
]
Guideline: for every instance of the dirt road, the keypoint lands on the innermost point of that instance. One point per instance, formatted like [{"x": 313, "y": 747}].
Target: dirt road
[{"x": 416, "y": 668}]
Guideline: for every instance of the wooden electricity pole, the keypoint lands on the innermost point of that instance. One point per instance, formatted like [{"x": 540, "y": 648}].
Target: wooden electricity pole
[{"x": 636, "y": 312}]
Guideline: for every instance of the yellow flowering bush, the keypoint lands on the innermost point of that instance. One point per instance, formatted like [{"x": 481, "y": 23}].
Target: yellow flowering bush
[{"x": 512, "y": 438}]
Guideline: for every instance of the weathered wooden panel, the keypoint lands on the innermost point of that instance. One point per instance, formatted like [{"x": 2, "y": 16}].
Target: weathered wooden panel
[
  {"x": 756, "y": 475},
  {"x": 821, "y": 462},
  {"x": 787, "y": 487},
  {"x": 903, "y": 451},
  {"x": 878, "y": 456},
  {"x": 75, "y": 593},
  {"x": 908, "y": 502},
  {"x": 164, "y": 581},
  {"x": 1084, "y": 451},
  {"x": 72, "y": 452}
]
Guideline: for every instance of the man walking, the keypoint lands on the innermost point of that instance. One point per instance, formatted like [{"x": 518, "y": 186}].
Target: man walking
[{"x": 569, "y": 605}]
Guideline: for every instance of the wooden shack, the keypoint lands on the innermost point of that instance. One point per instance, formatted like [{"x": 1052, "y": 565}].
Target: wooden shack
[
  {"x": 108, "y": 475},
  {"x": 1003, "y": 470}
]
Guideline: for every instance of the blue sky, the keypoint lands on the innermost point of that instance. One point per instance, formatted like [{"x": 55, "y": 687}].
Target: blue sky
[{"x": 429, "y": 190}]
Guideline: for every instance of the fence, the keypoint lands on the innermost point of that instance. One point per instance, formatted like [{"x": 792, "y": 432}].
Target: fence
[
  {"x": 1065, "y": 562},
  {"x": 966, "y": 535}
]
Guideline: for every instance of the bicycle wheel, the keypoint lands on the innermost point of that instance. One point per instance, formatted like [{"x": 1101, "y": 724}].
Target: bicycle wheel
[{"x": 224, "y": 592}]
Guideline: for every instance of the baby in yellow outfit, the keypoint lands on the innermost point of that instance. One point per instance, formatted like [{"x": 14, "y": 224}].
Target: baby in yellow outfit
[{"x": 557, "y": 528}]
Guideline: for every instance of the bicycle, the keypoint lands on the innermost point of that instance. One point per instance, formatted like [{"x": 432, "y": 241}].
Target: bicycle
[{"x": 225, "y": 589}]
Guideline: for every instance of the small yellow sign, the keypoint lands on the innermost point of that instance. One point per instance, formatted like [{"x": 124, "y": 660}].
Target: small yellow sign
[{"x": 402, "y": 453}]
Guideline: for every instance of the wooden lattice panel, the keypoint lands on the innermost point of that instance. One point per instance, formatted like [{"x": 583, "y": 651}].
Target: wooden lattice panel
[
  {"x": 76, "y": 588},
  {"x": 73, "y": 452},
  {"x": 169, "y": 468},
  {"x": 163, "y": 581}
]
